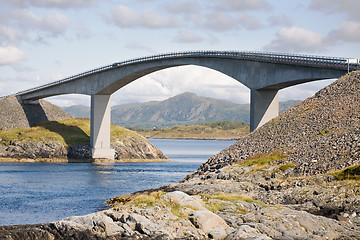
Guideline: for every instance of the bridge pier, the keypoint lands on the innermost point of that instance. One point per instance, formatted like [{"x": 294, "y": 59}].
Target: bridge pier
[
  {"x": 264, "y": 106},
  {"x": 100, "y": 127}
]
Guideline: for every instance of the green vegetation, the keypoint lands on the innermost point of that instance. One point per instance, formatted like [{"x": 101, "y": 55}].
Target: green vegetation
[
  {"x": 324, "y": 132},
  {"x": 262, "y": 159},
  {"x": 284, "y": 167},
  {"x": 149, "y": 200},
  {"x": 350, "y": 173},
  {"x": 225, "y": 125},
  {"x": 209, "y": 130},
  {"x": 304, "y": 110},
  {"x": 68, "y": 132},
  {"x": 230, "y": 197}
]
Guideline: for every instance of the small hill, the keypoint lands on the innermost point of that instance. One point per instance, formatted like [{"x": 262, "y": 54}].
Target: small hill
[
  {"x": 319, "y": 135},
  {"x": 69, "y": 139},
  {"x": 15, "y": 114},
  {"x": 43, "y": 131}
]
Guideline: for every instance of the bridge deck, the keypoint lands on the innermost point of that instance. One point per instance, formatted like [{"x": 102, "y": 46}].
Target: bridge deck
[{"x": 284, "y": 58}]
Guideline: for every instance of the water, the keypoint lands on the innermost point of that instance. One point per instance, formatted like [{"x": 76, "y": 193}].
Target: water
[{"x": 45, "y": 192}]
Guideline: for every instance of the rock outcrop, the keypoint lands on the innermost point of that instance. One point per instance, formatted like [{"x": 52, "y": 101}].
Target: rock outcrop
[
  {"x": 277, "y": 183},
  {"x": 15, "y": 114},
  {"x": 319, "y": 135},
  {"x": 56, "y": 151},
  {"x": 168, "y": 219}
]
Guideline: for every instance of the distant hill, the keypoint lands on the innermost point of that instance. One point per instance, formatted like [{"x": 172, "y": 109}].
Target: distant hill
[
  {"x": 183, "y": 109},
  {"x": 78, "y": 111}
]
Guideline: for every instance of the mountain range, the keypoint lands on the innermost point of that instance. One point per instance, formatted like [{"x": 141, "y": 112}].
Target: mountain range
[{"x": 183, "y": 109}]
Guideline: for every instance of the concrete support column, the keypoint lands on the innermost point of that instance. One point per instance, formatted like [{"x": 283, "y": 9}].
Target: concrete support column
[
  {"x": 100, "y": 127},
  {"x": 264, "y": 106}
]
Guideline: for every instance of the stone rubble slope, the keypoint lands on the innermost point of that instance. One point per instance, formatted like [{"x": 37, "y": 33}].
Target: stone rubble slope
[
  {"x": 320, "y": 134},
  {"x": 17, "y": 115},
  {"x": 138, "y": 221}
]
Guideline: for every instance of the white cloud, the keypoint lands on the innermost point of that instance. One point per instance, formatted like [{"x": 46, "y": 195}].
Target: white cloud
[
  {"x": 10, "y": 55},
  {"x": 126, "y": 17},
  {"x": 296, "y": 39},
  {"x": 53, "y": 22},
  {"x": 347, "y": 31},
  {"x": 187, "y": 37},
  {"x": 349, "y": 7},
  {"x": 139, "y": 46},
  {"x": 280, "y": 20},
  {"x": 70, "y": 100},
  {"x": 8, "y": 34},
  {"x": 303, "y": 91},
  {"x": 183, "y": 7},
  {"x": 243, "y": 5},
  {"x": 170, "y": 82},
  {"x": 220, "y": 21},
  {"x": 53, "y": 3},
  {"x": 249, "y": 22}
]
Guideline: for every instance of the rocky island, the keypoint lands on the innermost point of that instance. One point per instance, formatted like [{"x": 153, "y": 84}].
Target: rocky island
[
  {"x": 297, "y": 177},
  {"x": 44, "y": 132}
]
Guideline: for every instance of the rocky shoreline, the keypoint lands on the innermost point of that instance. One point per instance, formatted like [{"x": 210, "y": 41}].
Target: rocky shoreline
[
  {"x": 45, "y": 133},
  {"x": 238, "y": 202},
  {"x": 297, "y": 177},
  {"x": 27, "y": 151}
]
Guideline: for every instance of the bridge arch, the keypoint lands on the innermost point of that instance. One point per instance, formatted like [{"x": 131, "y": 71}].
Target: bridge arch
[{"x": 263, "y": 73}]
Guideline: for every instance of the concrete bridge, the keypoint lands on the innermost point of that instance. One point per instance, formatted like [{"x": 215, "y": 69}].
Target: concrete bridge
[{"x": 263, "y": 73}]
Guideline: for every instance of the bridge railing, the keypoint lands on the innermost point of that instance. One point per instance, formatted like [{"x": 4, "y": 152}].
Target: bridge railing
[{"x": 294, "y": 59}]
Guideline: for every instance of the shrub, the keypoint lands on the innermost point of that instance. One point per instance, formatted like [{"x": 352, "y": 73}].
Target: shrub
[
  {"x": 350, "y": 173},
  {"x": 261, "y": 159},
  {"x": 286, "y": 166}
]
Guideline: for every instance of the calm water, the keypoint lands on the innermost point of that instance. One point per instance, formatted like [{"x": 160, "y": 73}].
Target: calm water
[{"x": 44, "y": 192}]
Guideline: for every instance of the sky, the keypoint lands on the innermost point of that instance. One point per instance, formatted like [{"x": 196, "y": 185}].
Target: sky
[{"x": 46, "y": 40}]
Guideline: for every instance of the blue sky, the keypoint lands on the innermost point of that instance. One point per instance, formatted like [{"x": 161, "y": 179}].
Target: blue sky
[{"x": 46, "y": 40}]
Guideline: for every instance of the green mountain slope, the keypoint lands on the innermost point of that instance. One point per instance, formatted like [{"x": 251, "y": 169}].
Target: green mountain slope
[
  {"x": 183, "y": 109},
  {"x": 78, "y": 111}
]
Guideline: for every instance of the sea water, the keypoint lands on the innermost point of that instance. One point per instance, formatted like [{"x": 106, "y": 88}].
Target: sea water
[{"x": 44, "y": 192}]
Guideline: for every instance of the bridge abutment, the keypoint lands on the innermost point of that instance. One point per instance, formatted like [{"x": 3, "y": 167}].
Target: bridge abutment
[
  {"x": 100, "y": 127},
  {"x": 264, "y": 106}
]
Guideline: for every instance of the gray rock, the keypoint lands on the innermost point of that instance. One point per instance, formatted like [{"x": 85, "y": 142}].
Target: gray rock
[
  {"x": 245, "y": 232},
  {"x": 145, "y": 226},
  {"x": 184, "y": 200},
  {"x": 213, "y": 225}
]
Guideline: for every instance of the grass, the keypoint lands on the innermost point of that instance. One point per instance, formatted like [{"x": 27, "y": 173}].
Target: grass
[
  {"x": 285, "y": 167},
  {"x": 68, "y": 132},
  {"x": 262, "y": 159},
  {"x": 150, "y": 199},
  {"x": 210, "y": 130},
  {"x": 137, "y": 199},
  {"x": 230, "y": 197},
  {"x": 324, "y": 132},
  {"x": 350, "y": 173}
]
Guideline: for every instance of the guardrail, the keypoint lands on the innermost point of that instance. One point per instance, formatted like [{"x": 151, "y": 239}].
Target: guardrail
[{"x": 294, "y": 59}]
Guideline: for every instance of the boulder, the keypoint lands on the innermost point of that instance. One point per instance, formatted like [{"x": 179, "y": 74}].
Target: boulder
[
  {"x": 184, "y": 200},
  {"x": 245, "y": 232},
  {"x": 210, "y": 223}
]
